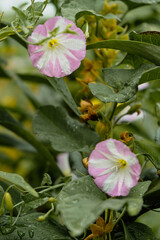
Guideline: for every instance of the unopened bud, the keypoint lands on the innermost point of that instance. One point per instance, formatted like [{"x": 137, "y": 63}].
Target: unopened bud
[
  {"x": 86, "y": 35},
  {"x": 158, "y": 172},
  {"x": 126, "y": 137},
  {"x": 135, "y": 108},
  {"x": 52, "y": 200},
  {"x": 101, "y": 129},
  {"x": 85, "y": 162},
  {"x": 8, "y": 201},
  {"x": 41, "y": 218}
]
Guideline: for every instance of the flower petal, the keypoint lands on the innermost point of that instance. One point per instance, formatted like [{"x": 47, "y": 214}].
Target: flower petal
[
  {"x": 66, "y": 56},
  {"x": 105, "y": 165}
]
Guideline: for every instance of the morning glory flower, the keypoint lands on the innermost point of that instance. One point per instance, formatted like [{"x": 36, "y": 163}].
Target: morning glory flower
[
  {"x": 61, "y": 49},
  {"x": 114, "y": 167}
]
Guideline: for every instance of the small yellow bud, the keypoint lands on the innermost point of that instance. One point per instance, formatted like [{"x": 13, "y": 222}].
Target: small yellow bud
[
  {"x": 85, "y": 162},
  {"x": 102, "y": 130},
  {"x": 41, "y": 218},
  {"x": 158, "y": 172},
  {"x": 52, "y": 200},
  {"x": 8, "y": 201}
]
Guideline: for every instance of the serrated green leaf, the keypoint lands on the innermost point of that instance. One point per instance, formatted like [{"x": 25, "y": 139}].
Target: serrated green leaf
[
  {"x": 54, "y": 125},
  {"x": 18, "y": 181},
  {"x": 145, "y": 50},
  {"x": 29, "y": 228}
]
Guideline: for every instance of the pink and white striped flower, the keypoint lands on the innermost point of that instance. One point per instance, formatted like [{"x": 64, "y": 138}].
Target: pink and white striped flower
[
  {"x": 62, "y": 47},
  {"x": 114, "y": 167}
]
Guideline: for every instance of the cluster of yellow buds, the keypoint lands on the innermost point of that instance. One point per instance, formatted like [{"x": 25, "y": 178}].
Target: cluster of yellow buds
[
  {"x": 89, "y": 110},
  {"x": 99, "y": 30}
]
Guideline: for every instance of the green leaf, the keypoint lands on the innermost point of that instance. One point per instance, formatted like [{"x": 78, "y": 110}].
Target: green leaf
[
  {"x": 80, "y": 203},
  {"x": 139, "y": 231},
  {"x": 18, "y": 181},
  {"x": 38, "y": 7},
  {"x": 46, "y": 179},
  {"x": 124, "y": 80},
  {"x": 54, "y": 125},
  {"x": 119, "y": 78},
  {"x": 150, "y": 75},
  {"x": 145, "y": 50},
  {"x": 151, "y": 197},
  {"x": 135, "y": 197},
  {"x": 98, "y": 16},
  {"x": 151, "y": 148},
  {"x": 6, "y": 32},
  {"x": 61, "y": 87},
  {"x": 21, "y": 15},
  {"x": 27, "y": 227},
  {"x": 35, "y": 204},
  {"x": 73, "y": 7},
  {"x": 152, "y": 37},
  {"x": 103, "y": 92},
  {"x": 126, "y": 233},
  {"x": 136, "y": 3},
  {"x": 75, "y": 160}
]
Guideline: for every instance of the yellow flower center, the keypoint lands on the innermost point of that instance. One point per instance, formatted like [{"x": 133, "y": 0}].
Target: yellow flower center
[
  {"x": 122, "y": 163},
  {"x": 53, "y": 43}
]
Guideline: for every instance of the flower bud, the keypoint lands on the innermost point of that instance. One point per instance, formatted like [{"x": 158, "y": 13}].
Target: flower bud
[
  {"x": 8, "y": 201},
  {"x": 41, "y": 218},
  {"x": 52, "y": 200},
  {"x": 85, "y": 162},
  {"x": 102, "y": 130}
]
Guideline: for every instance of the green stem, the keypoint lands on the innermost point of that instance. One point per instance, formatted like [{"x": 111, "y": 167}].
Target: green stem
[
  {"x": 109, "y": 234},
  {"x": 113, "y": 110},
  {"x": 53, "y": 187},
  {"x": 19, "y": 212},
  {"x": 121, "y": 215},
  {"x": 31, "y": 43},
  {"x": 32, "y": 5}
]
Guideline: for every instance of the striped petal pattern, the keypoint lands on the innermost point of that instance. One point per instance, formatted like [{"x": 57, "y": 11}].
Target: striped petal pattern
[
  {"x": 61, "y": 53},
  {"x": 114, "y": 167}
]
